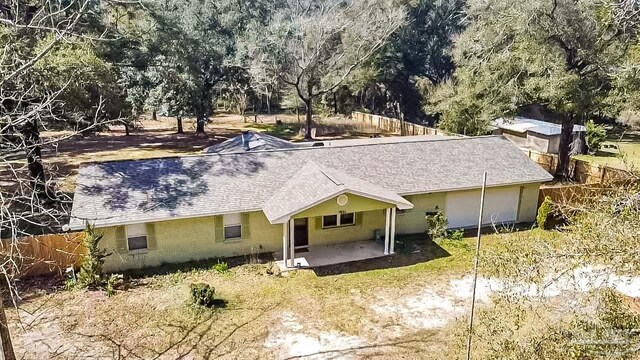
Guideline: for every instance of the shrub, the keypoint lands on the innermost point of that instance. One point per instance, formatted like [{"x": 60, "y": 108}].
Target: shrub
[
  {"x": 203, "y": 295},
  {"x": 221, "y": 267},
  {"x": 457, "y": 235},
  {"x": 90, "y": 275},
  {"x": 544, "y": 212},
  {"x": 595, "y": 136},
  {"x": 437, "y": 226}
]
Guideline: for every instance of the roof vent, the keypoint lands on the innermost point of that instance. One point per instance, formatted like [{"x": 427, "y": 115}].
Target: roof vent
[{"x": 320, "y": 143}]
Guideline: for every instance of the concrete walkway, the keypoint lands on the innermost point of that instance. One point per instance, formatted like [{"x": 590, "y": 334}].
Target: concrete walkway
[{"x": 336, "y": 254}]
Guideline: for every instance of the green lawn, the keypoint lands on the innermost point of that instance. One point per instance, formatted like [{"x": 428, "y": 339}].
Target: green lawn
[{"x": 627, "y": 153}]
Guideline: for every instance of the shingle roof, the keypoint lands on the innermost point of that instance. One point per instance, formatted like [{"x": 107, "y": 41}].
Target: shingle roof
[
  {"x": 113, "y": 193},
  {"x": 523, "y": 124},
  {"x": 313, "y": 184}
]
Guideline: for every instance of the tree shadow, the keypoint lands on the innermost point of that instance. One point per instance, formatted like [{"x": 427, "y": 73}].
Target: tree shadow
[
  {"x": 162, "y": 184},
  {"x": 415, "y": 250}
]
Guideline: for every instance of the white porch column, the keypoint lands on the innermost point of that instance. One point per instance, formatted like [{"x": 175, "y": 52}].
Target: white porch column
[
  {"x": 386, "y": 231},
  {"x": 285, "y": 242},
  {"x": 393, "y": 231},
  {"x": 292, "y": 243}
]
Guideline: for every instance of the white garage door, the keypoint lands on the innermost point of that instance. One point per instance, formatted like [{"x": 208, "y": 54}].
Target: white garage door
[{"x": 501, "y": 206}]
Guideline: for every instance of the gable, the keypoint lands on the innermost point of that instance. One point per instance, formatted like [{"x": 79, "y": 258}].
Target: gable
[{"x": 355, "y": 203}]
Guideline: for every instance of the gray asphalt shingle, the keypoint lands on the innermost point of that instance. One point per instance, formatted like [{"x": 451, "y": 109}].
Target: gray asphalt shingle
[
  {"x": 313, "y": 184},
  {"x": 113, "y": 193}
]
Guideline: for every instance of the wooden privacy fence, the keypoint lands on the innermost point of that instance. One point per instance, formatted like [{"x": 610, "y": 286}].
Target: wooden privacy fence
[
  {"x": 395, "y": 125},
  {"x": 584, "y": 172},
  {"x": 44, "y": 254},
  {"x": 562, "y": 194}
]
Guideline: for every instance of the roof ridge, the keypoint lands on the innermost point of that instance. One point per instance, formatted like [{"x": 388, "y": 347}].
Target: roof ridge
[
  {"x": 332, "y": 178},
  {"x": 302, "y": 148}
]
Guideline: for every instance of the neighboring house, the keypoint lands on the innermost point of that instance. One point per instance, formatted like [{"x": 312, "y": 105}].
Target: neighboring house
[
  {"x": 249, "y": 141},
  {"x": 533, "y": 134},
  {"x": 165, "y": 210}
]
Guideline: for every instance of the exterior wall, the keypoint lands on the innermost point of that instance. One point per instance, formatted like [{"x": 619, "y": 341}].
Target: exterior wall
[
  {"x": 518, "y": 139},
  {"x": 412, "y": 221},
  {"x": 185, "y": 240},
  {"x": 554, "y": 145},
  {"x": 538, "y": 142},
  {"x": 193, "y": 239},
  {"x": 366, "y": 225},
  {"x": 528, "y": 203},
  {"x": 370, "y": 217},
  {"x": 355, "y": 204}
]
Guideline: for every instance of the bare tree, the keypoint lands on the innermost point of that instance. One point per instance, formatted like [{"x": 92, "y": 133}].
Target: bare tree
[
  {"x": 314, "y": 46},
  {"x": 30, "y": 201}
]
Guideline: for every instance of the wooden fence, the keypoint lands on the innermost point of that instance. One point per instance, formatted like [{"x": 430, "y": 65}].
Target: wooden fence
[
  {"x": 584, "y": 172},
  {"x": 44, "y": 254},
  {"x": 562, "y": 194},
  {"x": 395, "y": 125}
]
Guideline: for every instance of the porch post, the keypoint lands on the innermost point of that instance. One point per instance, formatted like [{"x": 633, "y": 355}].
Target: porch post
[
  {"x": 285, "y": 242},
  {"x": 393, "y": 231},
  {"x": 292, "y": 243},
  {"x": 386, "y": 231}
]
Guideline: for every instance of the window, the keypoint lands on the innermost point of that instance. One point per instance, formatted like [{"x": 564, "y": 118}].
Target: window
[
  {"x": 232, "y": 226},
  {"x": 330, "y": 220},
  {"x": 136, "y": 237},
  {"x": 347, "y": 219},
  {"x": 344, "y": 219}
]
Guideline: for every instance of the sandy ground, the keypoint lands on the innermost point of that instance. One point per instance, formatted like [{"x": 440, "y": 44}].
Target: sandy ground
[{"x": 394, "y": 318}]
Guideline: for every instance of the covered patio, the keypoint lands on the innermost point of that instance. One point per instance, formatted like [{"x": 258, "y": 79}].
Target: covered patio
[
  {"x": 329, "y": 213},
  {"x": 323, "y": 255}
]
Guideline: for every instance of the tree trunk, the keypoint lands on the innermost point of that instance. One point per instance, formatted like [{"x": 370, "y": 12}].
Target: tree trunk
[
  {"x": 268, "y": 104},
  {"x": 401, "y": 117},
  {"x": 308, "y": 118},
  {"x": 126, "y": 128},
  {"x": 200, "y": 125},
  {"x": 180, "y": 130},
  {"x": 335, "y": 104},
  {"x": 154, "y": 115},
  {"x": 297, "y": 110},
  {"x": 31, "y": 135},
  {"x": 566, "y": 137},
  {"x": 5, "y": 336}
]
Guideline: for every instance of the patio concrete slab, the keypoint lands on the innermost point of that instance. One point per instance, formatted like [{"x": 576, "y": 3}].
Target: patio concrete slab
[{"x": 336, "y": 254}]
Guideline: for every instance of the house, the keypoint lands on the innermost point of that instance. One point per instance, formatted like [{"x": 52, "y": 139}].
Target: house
[
  {"x": 286, "y": 201},
  {"x": 533, "y": 134}
]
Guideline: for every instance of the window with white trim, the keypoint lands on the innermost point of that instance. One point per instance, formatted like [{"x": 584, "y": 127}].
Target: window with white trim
[
  {"x": 232, "y": 226},
  {"x": 136, "y": 237},
  {"x": 343, "y": 219}
]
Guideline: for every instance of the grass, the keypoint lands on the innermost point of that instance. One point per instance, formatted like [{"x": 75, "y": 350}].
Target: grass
[
  {"x": 627, "y": 153},
  {"x": 152, "y": 317}
]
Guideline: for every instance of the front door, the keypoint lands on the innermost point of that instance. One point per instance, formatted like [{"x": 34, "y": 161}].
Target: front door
[{"x": 301, "y": 233}]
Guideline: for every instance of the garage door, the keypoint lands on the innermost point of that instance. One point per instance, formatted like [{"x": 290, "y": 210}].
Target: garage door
[{"x": 501, "y": 206}]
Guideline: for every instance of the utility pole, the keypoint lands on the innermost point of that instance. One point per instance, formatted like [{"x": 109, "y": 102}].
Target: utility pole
[{"x": 475, "y": 265}]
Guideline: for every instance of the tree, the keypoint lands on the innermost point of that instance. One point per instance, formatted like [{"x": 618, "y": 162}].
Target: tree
[
  {"x": 556, "y": 54},
  {"x": 190, "y": 34},
  {"x": 562, "y": 296},
  {"x": 417, "y": 53},
  {"x": 50, "y": 76},
  {"x": 314, "y": 46}
]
